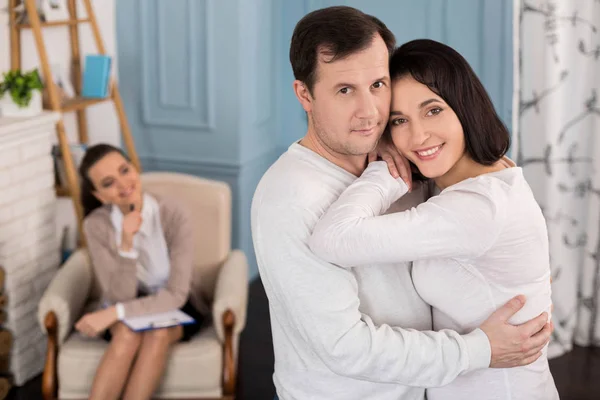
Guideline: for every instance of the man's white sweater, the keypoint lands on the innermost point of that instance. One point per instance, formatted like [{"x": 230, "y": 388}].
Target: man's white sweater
[{"x": 338, "y": 333}]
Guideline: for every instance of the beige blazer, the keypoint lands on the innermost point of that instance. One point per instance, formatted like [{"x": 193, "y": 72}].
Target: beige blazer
[{"x": 117, "y": 274}]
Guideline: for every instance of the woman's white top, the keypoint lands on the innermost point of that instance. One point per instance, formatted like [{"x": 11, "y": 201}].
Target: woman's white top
[
  {"x": 474, "y": 246},
  {"x": 149, "y": 248}
]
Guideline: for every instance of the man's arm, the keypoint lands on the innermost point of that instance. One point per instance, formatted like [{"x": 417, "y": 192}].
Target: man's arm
[{"x": 320, "y": 302}]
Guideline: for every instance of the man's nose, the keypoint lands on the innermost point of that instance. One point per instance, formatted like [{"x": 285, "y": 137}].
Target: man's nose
[{"x": 367, "y": 106}]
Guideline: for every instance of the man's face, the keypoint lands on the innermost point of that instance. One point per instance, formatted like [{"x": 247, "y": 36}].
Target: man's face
[{"x": 350, "y": 101}]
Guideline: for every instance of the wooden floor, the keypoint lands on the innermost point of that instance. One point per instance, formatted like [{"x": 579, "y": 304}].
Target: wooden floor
[{"x": 577, "y": 374}]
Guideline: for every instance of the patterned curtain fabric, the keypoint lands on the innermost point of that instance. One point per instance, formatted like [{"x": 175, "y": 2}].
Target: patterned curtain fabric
[{"x": 557, "y": 142}]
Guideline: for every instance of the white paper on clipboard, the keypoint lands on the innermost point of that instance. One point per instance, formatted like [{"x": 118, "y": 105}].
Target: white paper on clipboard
[{"x": 160, "y": 320}]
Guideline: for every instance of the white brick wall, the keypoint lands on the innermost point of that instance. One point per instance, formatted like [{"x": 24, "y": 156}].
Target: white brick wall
[
  {"x": 27, "y": 205},
  {"x": 31, "y": 278},
  {"x": 25, "y": 223},
  {"x": 35, "y": 148},
  {"x": 16, "y": 173},
  {"x": 32, "y": 238},
  {"x": 8, "y": 158},
  {"x": 29, "y": 248},
  {"x": 32, "y": 359}
]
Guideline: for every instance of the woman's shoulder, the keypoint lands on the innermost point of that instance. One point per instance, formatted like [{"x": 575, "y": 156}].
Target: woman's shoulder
[
  {"x": 171, "y": 208},
  {"x": 496, "y": 185},
  {"x": 97, "y": 219},
  {"x": 483, "y": 195},
  {"x": 174, "y": 216}
]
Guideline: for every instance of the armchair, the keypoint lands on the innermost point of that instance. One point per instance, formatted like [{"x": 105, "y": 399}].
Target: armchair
[{"x": 203, "y": 368}]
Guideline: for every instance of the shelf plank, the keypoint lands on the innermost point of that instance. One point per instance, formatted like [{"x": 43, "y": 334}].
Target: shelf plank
[
  {"x": 55, "y": 23},
  {"x": 79, "y": 103}
]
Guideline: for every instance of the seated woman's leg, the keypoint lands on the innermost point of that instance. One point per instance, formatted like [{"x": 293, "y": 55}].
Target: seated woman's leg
[
  {"x": 151, "y": 361},
  {"x": 115, "y": 365}
]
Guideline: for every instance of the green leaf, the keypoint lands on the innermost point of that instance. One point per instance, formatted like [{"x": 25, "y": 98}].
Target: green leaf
[{"x": 21, "y": 85}]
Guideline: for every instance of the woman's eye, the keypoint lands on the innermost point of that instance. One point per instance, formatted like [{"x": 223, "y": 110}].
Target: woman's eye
[
  {"x": 107, "y": 184},
  {"x": 435, "y": 111},
  {"x": 398, "y": 121},
  {"x": 125, "y": 170}
]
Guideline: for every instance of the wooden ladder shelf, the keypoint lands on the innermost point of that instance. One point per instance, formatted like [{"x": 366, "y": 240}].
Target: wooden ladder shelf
[{"x": 77, "y": 104}]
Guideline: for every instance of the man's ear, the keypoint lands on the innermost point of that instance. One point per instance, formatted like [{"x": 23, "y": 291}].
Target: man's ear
[{"x": 303, "y": 95}]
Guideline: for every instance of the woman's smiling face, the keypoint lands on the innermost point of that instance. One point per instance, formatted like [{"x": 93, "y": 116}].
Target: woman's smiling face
[
  {"x": 115, "y": 180},
  {"x": 424, "y": 128}
]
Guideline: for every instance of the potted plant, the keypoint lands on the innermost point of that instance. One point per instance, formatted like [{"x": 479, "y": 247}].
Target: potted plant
[{"x": 21, "y": 94}]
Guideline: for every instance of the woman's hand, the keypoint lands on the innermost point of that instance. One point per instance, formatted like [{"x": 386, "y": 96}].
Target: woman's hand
[
  {"x": 131, "y": 224},
  {"x": 397, "y": 163},
  {"x": 91, "y": 324}
]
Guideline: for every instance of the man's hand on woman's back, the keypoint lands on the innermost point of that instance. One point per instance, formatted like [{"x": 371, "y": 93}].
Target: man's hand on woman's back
[{"x": 516, "y": 345}]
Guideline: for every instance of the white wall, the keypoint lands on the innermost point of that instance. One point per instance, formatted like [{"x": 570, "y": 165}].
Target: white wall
[
  {"x": 4, "y": 38},
  {"x": 102, "y": 120}
]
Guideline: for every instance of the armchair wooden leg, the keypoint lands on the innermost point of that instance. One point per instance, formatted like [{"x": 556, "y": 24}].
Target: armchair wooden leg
[
  {"x": 229, "y": 365},
  {"x": 50, "y": 378}
]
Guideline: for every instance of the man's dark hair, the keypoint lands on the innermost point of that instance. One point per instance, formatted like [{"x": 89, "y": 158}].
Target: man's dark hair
[
  {"x": 337, "y": 32},
  {"x": 445, "y": 72}
]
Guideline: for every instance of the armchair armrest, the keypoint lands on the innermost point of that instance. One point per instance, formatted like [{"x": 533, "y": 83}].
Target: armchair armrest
[
  {"x": 231, "y": 293},
  {"x": 67, "y": 294},
  {"x": 229, "y": 313}
]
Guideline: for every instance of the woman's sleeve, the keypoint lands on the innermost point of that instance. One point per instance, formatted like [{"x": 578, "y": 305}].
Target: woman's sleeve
[
  {"x": 463, "y": 221},
  {"x": 116, "y": 273}
]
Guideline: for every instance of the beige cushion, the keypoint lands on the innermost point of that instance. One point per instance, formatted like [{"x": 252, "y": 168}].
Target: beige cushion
[{"x": 192, "y": 370}]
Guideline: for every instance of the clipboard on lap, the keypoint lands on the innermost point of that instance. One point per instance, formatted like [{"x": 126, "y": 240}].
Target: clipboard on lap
[{"x": 157, "y": 321}]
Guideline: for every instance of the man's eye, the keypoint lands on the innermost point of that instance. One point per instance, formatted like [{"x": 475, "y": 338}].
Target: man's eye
[
  {"x": 378, "y": 85},
  {"x": 345, "y": 90}
]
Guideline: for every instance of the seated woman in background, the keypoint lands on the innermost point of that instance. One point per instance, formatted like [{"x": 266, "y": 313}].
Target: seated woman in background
[{"x": 141, "y": 249}]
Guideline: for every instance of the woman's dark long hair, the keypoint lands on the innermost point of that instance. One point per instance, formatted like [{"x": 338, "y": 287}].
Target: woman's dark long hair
[{"x": 92, "y": 156}]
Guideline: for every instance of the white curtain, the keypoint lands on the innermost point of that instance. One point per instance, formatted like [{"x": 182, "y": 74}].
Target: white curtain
[{"x": 556, "y": 133}]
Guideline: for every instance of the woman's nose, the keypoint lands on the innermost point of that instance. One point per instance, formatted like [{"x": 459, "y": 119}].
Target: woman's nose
[
  {"x": 121, "y": 184},
  {"x": 419, "y": 133}
]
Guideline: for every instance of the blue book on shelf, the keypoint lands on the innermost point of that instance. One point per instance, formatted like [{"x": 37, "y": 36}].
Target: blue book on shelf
[{"x": 96, "y": 76}]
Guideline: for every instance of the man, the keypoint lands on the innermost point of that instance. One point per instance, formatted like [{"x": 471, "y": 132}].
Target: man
[{"x": 354, "y": 333}]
